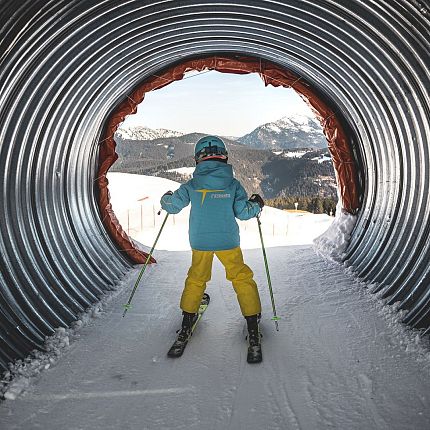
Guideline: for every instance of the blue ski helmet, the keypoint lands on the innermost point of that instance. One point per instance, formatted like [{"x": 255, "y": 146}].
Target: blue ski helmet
[{"x": 210, "y": 147}]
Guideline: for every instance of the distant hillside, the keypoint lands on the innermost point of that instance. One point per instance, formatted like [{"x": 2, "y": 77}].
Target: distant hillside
[
  {"x": 304, "y": 176},
  {"x": 139, "y": 155},
  {"x": 271, "y": 174}
]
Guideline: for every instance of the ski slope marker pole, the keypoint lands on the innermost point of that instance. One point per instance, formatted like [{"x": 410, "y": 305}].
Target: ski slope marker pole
[
  {"x": 275, "y": 317},
  {"x": 127, "y": 306}
]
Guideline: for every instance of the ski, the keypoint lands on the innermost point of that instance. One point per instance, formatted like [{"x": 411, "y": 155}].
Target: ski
[
  {"x": 178, "y": 347},
  {"x": 255, "y": 353}
]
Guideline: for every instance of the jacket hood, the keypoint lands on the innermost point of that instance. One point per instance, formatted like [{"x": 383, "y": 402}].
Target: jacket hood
[{"x": 212, "y": 174}]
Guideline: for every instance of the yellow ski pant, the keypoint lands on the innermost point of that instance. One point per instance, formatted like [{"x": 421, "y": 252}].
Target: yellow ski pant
[{"x": 236, "y": 271}]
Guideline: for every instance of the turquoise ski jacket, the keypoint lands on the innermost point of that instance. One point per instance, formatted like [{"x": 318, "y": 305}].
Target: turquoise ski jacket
[{"x": 217, "y": 199}]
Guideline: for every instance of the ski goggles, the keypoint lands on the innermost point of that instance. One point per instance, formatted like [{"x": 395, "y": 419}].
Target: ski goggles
[{"x": 211, "y": 152}]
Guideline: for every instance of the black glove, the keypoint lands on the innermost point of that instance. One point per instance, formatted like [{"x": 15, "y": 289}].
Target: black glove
[
  {"x": 169, "y": 193},
  {"x": 256, "y": 198}
]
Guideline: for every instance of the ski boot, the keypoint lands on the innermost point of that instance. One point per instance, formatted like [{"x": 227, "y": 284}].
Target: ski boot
[
  {"x": 184, "y": 335},
  {"x": 255, "y": 354},
  {"x": 189, "y": 323}
]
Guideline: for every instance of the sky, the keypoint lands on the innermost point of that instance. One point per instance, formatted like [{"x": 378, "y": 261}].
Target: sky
[{"x": 217, "y": 103}]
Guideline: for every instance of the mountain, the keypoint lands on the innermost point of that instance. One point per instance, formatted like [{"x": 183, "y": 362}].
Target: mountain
[
  {"x": 269, "y": 173},
  {"x": 144, "y": 133},
  {"x": 288, "y": 157},
  {"x": 292, "y": 132}
]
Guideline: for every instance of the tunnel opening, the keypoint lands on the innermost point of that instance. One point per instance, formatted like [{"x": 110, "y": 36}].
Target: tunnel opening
[
  {"x": 340, "y": 139},
  {"x": 275, "y": 145}
]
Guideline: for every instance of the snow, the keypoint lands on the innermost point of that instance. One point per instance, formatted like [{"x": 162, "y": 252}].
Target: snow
[
  {"x": 294, "y": 154},
  {"x": 272, "y": 127},
  {"x": 135, "y": 201},
  {"x": 144, "y": 133},
  {"x": 321, "y": 159},
  {"x": 341, "y": 359},
  {"x": 186, "y": 171},
  {"x": 297, "y": 122},
  {"x": 337, "y": 362},
  {"x": 333, "y": 242},
  {"x": 294, "y": 122},
  {"x": 23, "y": 373},
  {"x": 303, "y": 122}
]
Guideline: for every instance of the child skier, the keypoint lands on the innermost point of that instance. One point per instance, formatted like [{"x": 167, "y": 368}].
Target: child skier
[{"x": 216, "y": 200}]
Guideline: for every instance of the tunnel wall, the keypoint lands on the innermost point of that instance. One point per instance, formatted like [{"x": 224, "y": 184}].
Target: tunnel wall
[{"x": 65, "y": 65}]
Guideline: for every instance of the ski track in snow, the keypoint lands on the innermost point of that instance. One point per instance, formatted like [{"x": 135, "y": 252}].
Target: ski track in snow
[{"x": 339, "y": 361}]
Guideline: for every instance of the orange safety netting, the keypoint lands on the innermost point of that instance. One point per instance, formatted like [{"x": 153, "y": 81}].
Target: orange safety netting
[{"x": 271, "y": 74}]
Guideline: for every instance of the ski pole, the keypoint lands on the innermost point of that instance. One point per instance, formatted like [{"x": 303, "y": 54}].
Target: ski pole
[
  {"x": 127, "y": 306},
  {"x": 275, "y": 317}
]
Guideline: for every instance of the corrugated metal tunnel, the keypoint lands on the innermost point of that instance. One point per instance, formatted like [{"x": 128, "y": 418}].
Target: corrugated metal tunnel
[{"x": 66, "y": 65}]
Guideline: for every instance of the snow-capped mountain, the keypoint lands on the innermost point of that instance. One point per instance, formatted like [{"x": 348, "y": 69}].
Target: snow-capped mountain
[
  {"x": 289, "y": 132},
  {"x": 298, "y": 131},
  {"x": 145, "y": 133}
]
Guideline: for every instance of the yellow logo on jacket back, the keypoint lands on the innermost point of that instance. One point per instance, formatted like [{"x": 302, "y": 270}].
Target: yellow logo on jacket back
[{"x": 204, "y": 192}]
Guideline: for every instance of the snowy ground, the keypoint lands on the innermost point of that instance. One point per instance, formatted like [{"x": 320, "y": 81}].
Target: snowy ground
[
  {"x": 340, "y": 361},
  {"x": 135, "y": 200}
]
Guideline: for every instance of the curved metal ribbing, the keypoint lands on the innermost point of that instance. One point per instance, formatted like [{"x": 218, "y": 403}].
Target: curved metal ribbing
[{"x": 66, "y": 64}]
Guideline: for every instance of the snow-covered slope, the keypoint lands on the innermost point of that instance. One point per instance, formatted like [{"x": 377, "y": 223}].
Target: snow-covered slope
[
  {"x": 187, "y": 172},
  {"x": 135, "y": 200},
  {"x": 144, "y": 133},
  {"x": 291, "y": 154},
  {"x": 294, "y": 131},
  {"x": 339, "y": 361}
]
